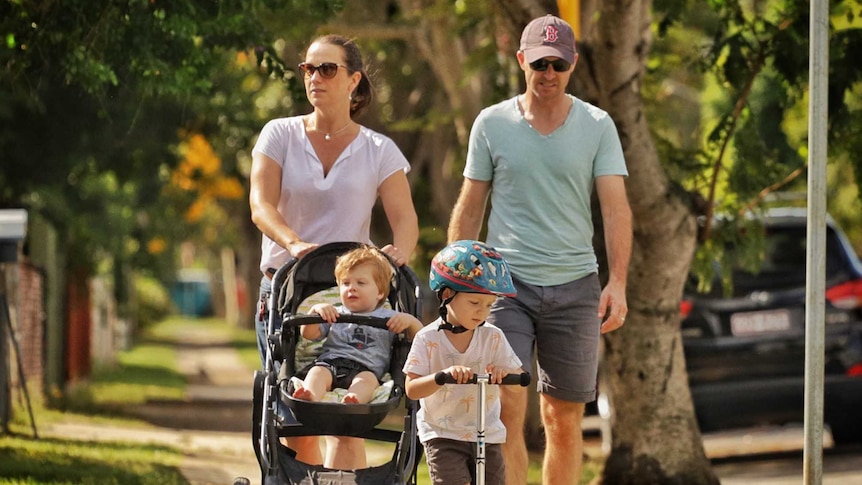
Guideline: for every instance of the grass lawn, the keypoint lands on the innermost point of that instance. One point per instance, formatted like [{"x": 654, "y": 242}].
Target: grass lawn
[
  {"x": 147, "y": 371},
  {"x": 62, "y": 462}
]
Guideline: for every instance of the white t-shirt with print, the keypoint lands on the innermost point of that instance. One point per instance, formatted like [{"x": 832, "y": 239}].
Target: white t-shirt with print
[{"x": 451, "y": 411}]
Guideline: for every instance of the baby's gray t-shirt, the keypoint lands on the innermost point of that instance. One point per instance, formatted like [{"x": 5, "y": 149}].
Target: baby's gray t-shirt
[{"x": 370, "y": 346}]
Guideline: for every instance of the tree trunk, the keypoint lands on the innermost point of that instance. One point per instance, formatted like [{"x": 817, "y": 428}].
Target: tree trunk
[{"x": 655, "y": 435}]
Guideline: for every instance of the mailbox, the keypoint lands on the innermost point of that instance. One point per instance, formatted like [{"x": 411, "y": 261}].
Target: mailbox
[{"x": 13, "y": 229}]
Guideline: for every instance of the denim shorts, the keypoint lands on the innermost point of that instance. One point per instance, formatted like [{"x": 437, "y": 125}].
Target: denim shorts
[{"x": 561, "y": 326}]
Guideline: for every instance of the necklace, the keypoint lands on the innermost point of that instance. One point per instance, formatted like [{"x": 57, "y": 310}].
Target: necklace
[{"x": 328, "y": 135}]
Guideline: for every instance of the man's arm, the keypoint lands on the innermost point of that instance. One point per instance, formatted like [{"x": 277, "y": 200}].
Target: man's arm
[
  {"x": 617, "y": 222},
  {"x": 469, "y": 211}
]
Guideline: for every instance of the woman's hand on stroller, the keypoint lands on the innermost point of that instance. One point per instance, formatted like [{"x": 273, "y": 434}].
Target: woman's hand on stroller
[
  {"x": 395, "y": 254},
  {"x": 298, "y": 248}
]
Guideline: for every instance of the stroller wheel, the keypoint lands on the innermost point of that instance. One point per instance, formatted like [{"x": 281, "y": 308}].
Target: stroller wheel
[{"x": 241, "y": 481}]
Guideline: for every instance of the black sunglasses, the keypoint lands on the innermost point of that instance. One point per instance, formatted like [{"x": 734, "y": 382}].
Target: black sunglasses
[
  {"x": 326, "y": 69},
  {"x": 559, "y": 65}
]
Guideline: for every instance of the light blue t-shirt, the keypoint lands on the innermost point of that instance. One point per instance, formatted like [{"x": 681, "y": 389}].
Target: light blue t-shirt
[{"x": 540, "y": 198}]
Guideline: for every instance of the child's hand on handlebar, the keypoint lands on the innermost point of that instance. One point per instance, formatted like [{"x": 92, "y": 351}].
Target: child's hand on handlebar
[
  {"x": 496, "y": 375},
  {"x": 404, "y": 322},
  {"x": 326, "y": 311},
  {"x": 460, "y": 373}
]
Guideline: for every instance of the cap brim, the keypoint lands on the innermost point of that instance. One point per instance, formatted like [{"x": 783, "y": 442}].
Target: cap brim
[{"x": 537, "y": 53}]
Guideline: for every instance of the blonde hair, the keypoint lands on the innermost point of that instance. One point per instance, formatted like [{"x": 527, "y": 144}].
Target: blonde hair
[{"x": 380, "y": 264}]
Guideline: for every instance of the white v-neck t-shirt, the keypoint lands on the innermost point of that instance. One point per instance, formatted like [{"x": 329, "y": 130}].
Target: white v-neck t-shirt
[{"x": 321, "y": 209}]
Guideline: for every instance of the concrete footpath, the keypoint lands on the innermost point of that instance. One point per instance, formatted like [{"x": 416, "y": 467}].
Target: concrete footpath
[{"x": 211, "y": 426}]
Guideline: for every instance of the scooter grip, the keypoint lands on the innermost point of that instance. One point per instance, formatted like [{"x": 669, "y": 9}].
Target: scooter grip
[{"x": 522, "y": 379}]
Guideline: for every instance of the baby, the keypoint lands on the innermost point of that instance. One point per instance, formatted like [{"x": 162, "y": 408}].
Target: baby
[{"x": 355, "y": 356}]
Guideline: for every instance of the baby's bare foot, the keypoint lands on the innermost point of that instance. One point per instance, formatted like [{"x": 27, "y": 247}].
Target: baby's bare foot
[
  {"x": 303, "y": 394},
  {"x": 350, "y": 399}
]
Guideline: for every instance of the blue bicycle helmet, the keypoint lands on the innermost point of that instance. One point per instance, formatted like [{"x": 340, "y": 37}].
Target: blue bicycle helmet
[{"x": 472, "y": 267}]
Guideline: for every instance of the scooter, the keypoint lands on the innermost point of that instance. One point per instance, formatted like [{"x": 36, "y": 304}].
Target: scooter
[{"x": 483, "y": 380}]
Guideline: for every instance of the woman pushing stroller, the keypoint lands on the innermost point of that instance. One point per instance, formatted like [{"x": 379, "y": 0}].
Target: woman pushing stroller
[{"x": 468, "y": 277}]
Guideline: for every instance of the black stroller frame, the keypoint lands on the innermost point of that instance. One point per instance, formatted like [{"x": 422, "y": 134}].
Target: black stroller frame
[{"x": 291, "y": 285}]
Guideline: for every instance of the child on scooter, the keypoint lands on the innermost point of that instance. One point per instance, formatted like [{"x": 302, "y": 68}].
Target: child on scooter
[{"x": 468, "y": 276}]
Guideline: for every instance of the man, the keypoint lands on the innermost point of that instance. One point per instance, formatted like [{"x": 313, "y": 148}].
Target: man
[{"x": 539, "y": 155}]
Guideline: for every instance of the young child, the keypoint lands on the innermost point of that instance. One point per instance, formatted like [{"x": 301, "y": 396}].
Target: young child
[
  {"x": 355, "y": 356},
  {"x": 468, "y": 276}
]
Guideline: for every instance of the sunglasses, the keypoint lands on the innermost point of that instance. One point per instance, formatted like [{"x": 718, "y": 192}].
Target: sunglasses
[
  {"x": 559, "y": 65},
  {"x": 326, "y": 69}
]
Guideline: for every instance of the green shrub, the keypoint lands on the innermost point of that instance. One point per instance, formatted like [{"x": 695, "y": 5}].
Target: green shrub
[{"x": 153, "y": 302}]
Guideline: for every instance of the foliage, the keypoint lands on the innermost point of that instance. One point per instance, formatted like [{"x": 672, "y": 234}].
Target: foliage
[
  {"x": 737, "y": 138},
  {"x": 147, "y": 371},
  {"x": 98, "y": 101},
  {"x": 153, "y": 303}
]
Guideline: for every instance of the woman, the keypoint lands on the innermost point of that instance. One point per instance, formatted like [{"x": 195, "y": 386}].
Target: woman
[{"x": 315, "y": 179}]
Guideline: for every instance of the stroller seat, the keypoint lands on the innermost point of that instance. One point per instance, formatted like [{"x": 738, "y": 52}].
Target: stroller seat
[{"x": 336, "y": 418}]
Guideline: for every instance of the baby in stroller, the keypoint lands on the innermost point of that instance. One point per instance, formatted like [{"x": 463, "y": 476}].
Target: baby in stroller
[
  {"x": 280, "y": 412},
  {"x": 354, "y": 357}
]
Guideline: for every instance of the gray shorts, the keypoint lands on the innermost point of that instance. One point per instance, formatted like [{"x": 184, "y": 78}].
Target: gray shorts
[
  {"x": 454, "y": 462},
  {"x": 561, "y": 325}
]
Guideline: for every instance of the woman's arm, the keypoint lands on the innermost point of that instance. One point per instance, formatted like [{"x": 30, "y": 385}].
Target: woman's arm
[
  {"x": 264, "y": 194},
  {"x": 398, "y": 205}
]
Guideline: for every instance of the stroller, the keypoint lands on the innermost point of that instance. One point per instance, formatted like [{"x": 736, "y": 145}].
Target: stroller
[{"x": 292, "y": 284}]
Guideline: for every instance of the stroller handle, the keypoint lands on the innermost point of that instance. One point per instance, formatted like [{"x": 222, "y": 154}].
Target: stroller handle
[
  {"x": 298, "y": 320},
  {"x": 522, "y": 379}
]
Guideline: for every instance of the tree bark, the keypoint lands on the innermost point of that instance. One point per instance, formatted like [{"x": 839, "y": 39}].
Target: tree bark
[{"x": 655, "y": 435}]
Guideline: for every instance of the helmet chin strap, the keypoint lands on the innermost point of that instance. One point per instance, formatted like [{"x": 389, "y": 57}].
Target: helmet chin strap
[
  {"x": 444, "y": 313},
  {"x": 452, "y": 328}
]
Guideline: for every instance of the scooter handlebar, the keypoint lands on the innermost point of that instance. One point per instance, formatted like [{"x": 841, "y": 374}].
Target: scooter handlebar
[{"x": 522, "y": 379}]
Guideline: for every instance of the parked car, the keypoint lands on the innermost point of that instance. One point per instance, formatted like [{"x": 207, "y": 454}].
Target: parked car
[{"x": 745, "y": 352}]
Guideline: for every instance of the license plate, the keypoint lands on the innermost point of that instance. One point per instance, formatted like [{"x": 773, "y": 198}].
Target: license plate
[{"x": 755, "y": 323}]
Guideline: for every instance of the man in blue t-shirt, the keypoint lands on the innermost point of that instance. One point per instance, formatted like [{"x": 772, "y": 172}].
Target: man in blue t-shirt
[{"x": 539, "y": 155}]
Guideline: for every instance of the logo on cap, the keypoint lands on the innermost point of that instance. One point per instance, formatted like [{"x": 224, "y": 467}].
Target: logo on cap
[{"x": 551, "y": 34}]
